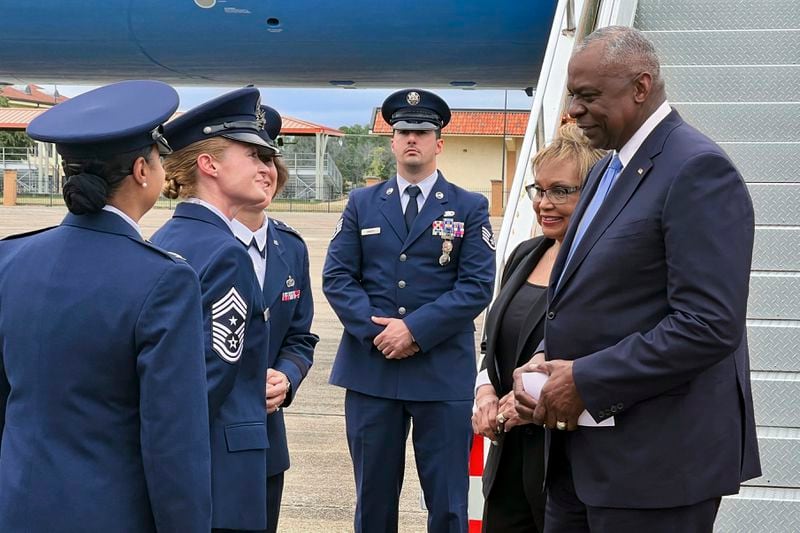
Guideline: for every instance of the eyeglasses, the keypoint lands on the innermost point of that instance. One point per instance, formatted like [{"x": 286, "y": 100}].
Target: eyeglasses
[
  {"x": 557, "y": 195},
  {"x": 160, "y": 141}
]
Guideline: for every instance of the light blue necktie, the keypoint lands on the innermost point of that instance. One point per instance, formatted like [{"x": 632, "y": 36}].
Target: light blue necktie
[{"x": 600, "y": 194}]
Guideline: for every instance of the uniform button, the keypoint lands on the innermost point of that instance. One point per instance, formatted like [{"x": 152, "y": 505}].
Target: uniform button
[
  {"x": 620, "y": 406},
  {"x": 402, "y": 310},
  {"x": 403, "y": 257},
  {"x": 551, "y": 315},
  {"x": 613, "y": 408},
  {"x": 401, "y": 284}
]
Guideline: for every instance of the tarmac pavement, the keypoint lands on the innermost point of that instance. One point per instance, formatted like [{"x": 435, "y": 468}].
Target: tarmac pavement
[{"x": 319, "y": 492}]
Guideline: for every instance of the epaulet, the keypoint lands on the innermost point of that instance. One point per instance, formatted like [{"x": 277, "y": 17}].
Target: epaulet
[
  {"x": 177, "y": 258},
  {"x": 27, "y": 233},
  {"x": 283, "y": 226}
]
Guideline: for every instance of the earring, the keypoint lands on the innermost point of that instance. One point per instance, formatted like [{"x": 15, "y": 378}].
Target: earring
[{"x": 144, "y": 184}]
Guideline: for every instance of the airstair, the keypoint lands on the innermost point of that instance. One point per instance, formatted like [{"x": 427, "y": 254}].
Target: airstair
[{"x": 732, "y": 69}]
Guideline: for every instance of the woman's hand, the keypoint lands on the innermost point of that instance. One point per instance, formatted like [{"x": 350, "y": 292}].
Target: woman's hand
[
  {"x": 484, "y": 419},
  {"x": 508, "y": 409}
]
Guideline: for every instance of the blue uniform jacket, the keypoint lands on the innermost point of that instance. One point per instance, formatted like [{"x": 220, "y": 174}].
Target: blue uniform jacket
[
  {"x": 376, "y": 267},
  {"x": 287, "y": 292},
  {"x": 236, "y": 372},
  {"x": 102, "y": 384}
]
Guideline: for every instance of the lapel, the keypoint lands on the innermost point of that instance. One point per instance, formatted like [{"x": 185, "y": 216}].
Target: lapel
[
  {"x": 277, "y": 270},
  {"x": 102, "y": 221},
  {"x": 592, "y": 181},
  {"x": 391, "y": 209},
  {"x": 632, "y": 175},
  {"x": 199, "y": 212},
  {"x": 431, "y": 210},
  {"x": 520, "y": 274}
]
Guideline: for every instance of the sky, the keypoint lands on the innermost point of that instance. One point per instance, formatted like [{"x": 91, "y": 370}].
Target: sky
[{"x": 336, "y": 107}]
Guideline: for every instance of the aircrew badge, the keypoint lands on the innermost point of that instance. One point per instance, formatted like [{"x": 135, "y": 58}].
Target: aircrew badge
[
  {"x": 228, "y": 320},
  {"x": 412, "y": 98}
]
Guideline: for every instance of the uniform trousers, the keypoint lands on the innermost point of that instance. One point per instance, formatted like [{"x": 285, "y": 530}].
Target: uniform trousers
[
  {"x": 377, "y": 429},
  {"x": 274, "y": 493},
  {"x": 566, "y": 513}
]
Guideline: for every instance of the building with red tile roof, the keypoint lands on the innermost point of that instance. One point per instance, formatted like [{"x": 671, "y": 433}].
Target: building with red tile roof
[
  {"x": 480, "y": 146},
  {"x": 30, "y": 96}
]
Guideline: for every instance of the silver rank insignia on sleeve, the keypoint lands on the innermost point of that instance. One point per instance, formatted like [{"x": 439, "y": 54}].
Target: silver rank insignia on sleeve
[
  {"x": 338, "y": 228},
  {"x": 488, "y": 238},
  {"x": 228, "y": 320}
]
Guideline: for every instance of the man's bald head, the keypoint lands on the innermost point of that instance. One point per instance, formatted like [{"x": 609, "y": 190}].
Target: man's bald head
[{"x": 626, "y": 49}]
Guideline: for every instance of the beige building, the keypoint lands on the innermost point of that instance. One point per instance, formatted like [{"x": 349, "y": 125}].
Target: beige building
[{"x": 480, "y": 146}]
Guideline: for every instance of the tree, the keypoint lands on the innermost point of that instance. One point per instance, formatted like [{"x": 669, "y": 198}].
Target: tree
[
  {"x": 359, "y": 154},
  {"x": 13, "y": 139}
]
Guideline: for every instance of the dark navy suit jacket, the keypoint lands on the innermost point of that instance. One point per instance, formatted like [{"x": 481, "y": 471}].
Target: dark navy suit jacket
[
  {"x": 368, "y": 258},
  {"x": 102, "y": 384},
  {"x": 235, "y": 387},
  {"x": 652, "y": 309},
  {"x": 287, "y": 293}
]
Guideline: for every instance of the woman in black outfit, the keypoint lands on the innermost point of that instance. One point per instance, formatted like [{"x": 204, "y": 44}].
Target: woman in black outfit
[{"x": 514, "y": 471}]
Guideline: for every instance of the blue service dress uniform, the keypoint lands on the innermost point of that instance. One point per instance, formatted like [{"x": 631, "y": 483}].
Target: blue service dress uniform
[
  {"x": 376, "y": 267},
  {"x": 287, "y": 292},
  {"x": 236, "y": 326},
  {"x": 102, "y": 384}
]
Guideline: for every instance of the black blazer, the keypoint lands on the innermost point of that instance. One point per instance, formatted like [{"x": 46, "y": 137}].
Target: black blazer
[{"x": 518, "y": 267}]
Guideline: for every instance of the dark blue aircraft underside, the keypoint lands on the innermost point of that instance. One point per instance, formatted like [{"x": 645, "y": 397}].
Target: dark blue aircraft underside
[{"x": 360, "y": 43}]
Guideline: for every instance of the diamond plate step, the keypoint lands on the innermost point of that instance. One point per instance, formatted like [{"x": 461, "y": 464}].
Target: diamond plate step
[
  {"x": 744, "y": 122},
  {"x": 770, "y": 162},
  {"x": 717, "y": 14},
  {"x": 777, "y": 249},
  {"x": 773, "y": 296},
  {"x": 776, "y": 203},
  {"x": 780, "y": 453},
  {"x": 774, "y": 345},
  {"x": 733, "y": 83},
  {"x": 767, "y": 47},
  {"x": 760, "y": 510},
  {"x": 776, "y": 399}
]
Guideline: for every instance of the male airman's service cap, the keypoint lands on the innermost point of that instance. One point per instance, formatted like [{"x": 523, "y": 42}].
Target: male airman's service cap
[
  {"x": 272, "y": 127},
  {"x": 113, "y": 119},
  {"x": 235, "y": 115},
  {"x": 415, "y": 109}
]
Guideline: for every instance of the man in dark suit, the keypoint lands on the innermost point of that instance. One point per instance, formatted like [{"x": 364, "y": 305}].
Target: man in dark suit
[
  {"x": 646, "y": 316},
  {"x": 409, "y": 267}
]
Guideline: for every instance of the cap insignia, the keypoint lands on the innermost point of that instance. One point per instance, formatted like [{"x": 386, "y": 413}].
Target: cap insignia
[{"x": 412, "y": 98}]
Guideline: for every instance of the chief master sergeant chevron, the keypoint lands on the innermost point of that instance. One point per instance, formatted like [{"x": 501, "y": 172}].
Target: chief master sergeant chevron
[{"x": 409, "y": 267}]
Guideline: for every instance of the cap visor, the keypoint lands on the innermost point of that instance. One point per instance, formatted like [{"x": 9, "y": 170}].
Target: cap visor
[
  {"x": 414, "y": 126},
  {"x": 268, "y": 151},
  {"x": 249, "y": 138}
]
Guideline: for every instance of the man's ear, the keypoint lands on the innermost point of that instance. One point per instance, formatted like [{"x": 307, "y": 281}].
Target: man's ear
[{"x": 642, "y": 85}]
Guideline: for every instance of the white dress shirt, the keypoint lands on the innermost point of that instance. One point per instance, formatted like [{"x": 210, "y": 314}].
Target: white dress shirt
[
  {"x": 258, "y": 250},
  {"x": 627, "y": 152},
  {"x": 211, "y": 208},
  {"x": 425, "y": 187},
  {"x": 126, "y": 218}
]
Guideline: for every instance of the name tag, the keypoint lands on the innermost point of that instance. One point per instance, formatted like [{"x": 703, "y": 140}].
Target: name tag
[{"x": 370, "y": 231}]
